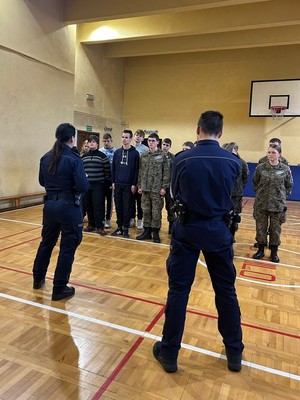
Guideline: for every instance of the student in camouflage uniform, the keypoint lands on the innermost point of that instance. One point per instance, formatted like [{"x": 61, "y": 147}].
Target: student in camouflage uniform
[
  {"x": 154, "y": 179},
  {"x": 169, "y": 203},
  {"x": 277, "y": 142},
  {"x": 272, "y": 182},
  {"x": 242, "y": 179}
]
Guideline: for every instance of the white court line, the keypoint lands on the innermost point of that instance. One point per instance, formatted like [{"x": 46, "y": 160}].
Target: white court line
[
  {"x": 281, "y": 249},
  {"x": 92, "y": 233},
  {"x": 19, "y": 222},
  {"x": 146, "y": 335},
  {"x": 267, "y": 262},
  {"x": 259, "y": 282},
  {"x": 20, "y": 209}
]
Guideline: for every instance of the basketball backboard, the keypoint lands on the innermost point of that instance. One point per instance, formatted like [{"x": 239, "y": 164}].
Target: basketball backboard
[{"x": 280, "y": 93}]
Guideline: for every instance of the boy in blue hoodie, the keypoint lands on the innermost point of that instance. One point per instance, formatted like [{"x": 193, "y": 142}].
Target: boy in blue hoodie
[{"x": 125, "y": 169}]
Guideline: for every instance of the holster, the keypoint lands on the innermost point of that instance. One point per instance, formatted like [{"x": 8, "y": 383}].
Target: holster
[{"x": 232, "y": 220}]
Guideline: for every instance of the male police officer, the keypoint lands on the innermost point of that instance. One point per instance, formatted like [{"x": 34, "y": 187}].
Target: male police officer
[{"x": 202, "y": 181}]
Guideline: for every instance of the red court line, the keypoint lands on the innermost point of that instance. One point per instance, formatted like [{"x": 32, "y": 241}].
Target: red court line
[
  {"x": 271, "y": 331},
  {"x": 19, "y": 233},
  {"x": 244, "y": 204},
  {"x": 144, "y": 300},
  {"x": 277, "y": 332},
  {"x": 20, "y": 244},
  {"x": 127, "y": 356}
]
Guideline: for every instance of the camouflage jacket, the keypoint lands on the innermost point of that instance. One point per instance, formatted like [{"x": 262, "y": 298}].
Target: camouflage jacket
[
  {"x": 272, "y": 185},
  {"x": 241, "y": 180},
  {"x": 154, "y": 172}
]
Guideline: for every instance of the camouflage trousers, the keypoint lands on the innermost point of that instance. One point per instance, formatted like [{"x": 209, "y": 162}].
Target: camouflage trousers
[
  {"x": 268, "y": 222},
  {"x": 237, "y": 204},
  {"x": 152, "y": 204}
]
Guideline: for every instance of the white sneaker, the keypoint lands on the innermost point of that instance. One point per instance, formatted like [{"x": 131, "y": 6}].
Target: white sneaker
[
  {"x": 140, "y": 224},
  {"x": 132, "y": 223},
  {"x": 107, "y": 224}
]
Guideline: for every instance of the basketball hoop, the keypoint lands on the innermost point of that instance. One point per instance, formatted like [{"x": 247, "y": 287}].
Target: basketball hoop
[{"x": 278, "y": 112}]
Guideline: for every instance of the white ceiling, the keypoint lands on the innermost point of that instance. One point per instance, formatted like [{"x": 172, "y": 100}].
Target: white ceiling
[{"x": 131, "y": 28}]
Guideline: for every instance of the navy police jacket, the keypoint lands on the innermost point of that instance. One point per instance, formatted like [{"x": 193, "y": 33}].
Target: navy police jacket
[
  {"x": 69, "y": 177},
  {"x": 203, "y": 178}
]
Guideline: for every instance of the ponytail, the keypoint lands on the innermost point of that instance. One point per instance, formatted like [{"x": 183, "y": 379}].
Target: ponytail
[{"x": 63, "y": 134}]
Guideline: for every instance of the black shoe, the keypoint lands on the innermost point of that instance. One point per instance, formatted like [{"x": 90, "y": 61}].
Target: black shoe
[
  {"x": 145, "y": 235},
  {"x": 66, "y": 292},
  {"x": 126, "y": 233},
  {"x": 38, "y": 284},
  {"x": 155, "y": 234},
  {"x": 118, "y": 232},
  {"x": 168, "y": 365},
  {"x": 256, "y": 245},
  {"x": 234, "y": 363},
  {"x": 260, "y": 252},
  {"x": 274, "y": 258}
]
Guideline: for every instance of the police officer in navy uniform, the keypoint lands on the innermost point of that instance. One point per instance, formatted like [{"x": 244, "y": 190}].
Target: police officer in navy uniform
[
  {"x": 202, "y": 181},
  {"x": 63, "y": 176}
]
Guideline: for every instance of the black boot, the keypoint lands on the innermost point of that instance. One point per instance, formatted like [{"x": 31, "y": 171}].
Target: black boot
[
  {"x": 145, "y": 235},
  {"x": 156, "y": 238},
  {"x": 273, "y": 256},
  {"x": 257, "y": 244},
  {"x": 260, "y": 253}
]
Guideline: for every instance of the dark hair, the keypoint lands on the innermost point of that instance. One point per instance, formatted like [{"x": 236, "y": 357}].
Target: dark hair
[
  {"x": 211, "y": 123},
  {"x": 276, "y": 147},
  {"x": 275, "y": 140},
  {"x": 228, "y": 146},
  {"x": 168, "y": 141},
  {"x": 93, "y": 137},
  {"x": 231, "y": 146},
  {"x": 107, "y": 136},
  {"x": 64, "y": 132},
  {"x": 154, "y": 135},
  {"x": 188, "y": 144},
  {"x": 140, "y": 132},
  {"x": 128, "y": 131}
]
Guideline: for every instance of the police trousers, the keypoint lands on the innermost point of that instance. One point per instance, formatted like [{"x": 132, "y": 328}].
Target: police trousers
[
  {"x": 59, "y": 216},
  {"x": 215, "y": 240}
]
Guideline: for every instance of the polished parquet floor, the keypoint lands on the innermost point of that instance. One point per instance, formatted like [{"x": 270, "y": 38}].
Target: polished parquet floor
[{"x": 98, "y": 345}]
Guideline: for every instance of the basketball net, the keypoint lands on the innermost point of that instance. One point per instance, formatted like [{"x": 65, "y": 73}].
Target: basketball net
[{"x": 277, "y": 112}]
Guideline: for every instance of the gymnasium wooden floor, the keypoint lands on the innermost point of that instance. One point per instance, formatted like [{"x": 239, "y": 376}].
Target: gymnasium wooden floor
[{"x": 98, "y": 345}]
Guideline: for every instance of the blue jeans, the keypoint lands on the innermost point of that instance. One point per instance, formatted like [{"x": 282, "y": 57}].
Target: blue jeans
[
  {"x": 214, "y": 239},
  {"x": 60, "y": 216}
]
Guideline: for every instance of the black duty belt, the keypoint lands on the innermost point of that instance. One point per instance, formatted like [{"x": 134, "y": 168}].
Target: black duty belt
[
  {"x": 192, "y": 215},
  {"x": 59, "y": 196}
]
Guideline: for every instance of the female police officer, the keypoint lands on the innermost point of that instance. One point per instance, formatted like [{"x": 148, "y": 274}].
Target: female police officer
[{"x": 62, "y": 174}]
